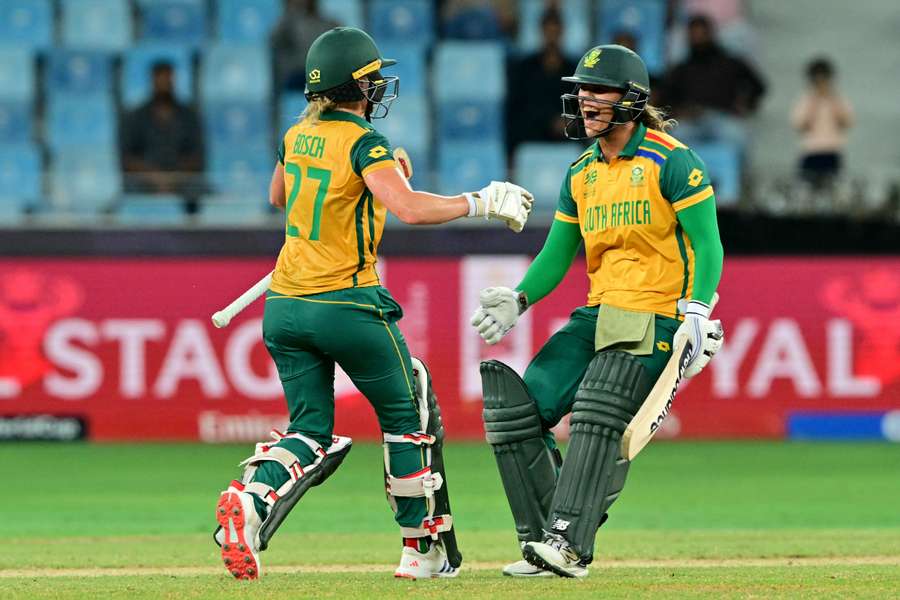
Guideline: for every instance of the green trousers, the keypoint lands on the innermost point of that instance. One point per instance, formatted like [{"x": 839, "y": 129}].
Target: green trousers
[
  {"x": 555, "y": 372},
  {"x": 355, "y": 328}
]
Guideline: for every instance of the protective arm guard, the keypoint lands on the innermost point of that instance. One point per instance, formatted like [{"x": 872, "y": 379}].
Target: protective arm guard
[
  {"x": 430, "y": 482},
  {"x": 528, "y": 468}
]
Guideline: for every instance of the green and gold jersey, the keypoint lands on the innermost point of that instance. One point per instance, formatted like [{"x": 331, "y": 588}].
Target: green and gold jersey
[
  {"x": 638, "y": 257},
  {"x": 333, "y": 225}
]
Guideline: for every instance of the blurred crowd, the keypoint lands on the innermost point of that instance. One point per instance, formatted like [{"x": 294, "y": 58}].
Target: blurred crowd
[{"x": 181, "y": 113}]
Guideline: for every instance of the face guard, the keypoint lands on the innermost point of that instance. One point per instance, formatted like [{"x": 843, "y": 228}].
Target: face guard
[
  {"x": 628, "y": 108},
  {"x": 380, "y": 91}
]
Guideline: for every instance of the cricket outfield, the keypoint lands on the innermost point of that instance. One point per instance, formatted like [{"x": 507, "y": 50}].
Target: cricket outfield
[{"x": 716, "y": 519}]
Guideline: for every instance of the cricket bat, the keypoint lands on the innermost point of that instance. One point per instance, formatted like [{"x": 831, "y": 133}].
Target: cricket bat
[{"x": 656, "y": 407}]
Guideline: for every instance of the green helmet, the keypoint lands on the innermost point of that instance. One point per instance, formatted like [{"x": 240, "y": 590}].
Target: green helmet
[
  {"x": 342, "y": 57},
  {"x": 609, "y": 66}
]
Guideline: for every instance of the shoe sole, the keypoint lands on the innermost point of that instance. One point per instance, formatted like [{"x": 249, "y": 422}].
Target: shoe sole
[
  {"x": 538, "y": 561},
  {"x": 237, "y": 557},
  {"x": 542, "y": 573}
]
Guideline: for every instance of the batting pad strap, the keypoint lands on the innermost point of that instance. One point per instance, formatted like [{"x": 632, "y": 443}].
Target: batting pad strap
[
  {"x": 421, "y": 484},
  {"x": 417, "y": 437},
  {"x": 431, "y": 526}
]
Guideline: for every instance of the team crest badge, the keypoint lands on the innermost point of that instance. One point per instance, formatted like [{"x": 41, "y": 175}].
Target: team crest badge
[
  {"x": 315, "y": 76},
  {"x": 637, "y": 176},
  {"x": 590, "y": 61}
]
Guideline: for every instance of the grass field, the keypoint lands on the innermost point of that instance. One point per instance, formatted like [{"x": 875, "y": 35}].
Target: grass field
[{"x": 695, "y": 520}]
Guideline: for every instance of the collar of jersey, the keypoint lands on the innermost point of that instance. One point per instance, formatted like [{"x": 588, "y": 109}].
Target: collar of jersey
[
  {"x": 342, "y": 115},
  {"x": 630, "y": 148}
]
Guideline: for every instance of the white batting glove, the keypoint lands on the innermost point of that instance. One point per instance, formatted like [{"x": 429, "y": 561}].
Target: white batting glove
[
  {"x": 705, "y": 336},
  {"x": 502, "y": 200},
  {"x": 498, "y": 313}
]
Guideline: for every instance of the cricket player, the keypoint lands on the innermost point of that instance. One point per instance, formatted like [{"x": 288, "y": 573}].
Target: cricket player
[
  {"x": 642, "y": 203},
  {"x": 336, "y": 178}
]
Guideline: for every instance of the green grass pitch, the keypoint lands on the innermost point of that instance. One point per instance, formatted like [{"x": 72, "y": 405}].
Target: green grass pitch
[{"x": 716, "y": 519}]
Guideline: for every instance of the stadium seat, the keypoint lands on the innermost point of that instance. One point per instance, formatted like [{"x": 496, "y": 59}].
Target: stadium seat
[
  {"x": 290, "y": 106},
  {"x": 97, "y": 24},
  {"x": 241, "y": 170},
  {"x": 150, "y": 209},
  {"x": 402, "y": 19},
  {"x": 645, "y": 19},
  {"x": 20, "y": 176},
  {"x": 473, "y": 23},
  {"x": 231, "y": 72},
  {"x": 237, "y": 122},
  {"x": 81, "y": 120},
  {"x": 541, "y": 167},
  {"x": 174, "y": 21},
  {"x": 469, "y": 70},
  {"x": 411, "y": 65},
  {"x": 408, "y": 124},
  {"x": 465, "y": 167},
  {"x": 348, "y": 13},
  {"x": 247, "y": 20},
  {"x": 470, "y": 120},
  {"x": 724, "y": 164},
  {"x": 26, "y": 23},
  {"x": 230, "y": 211},
  {"x": 78, "y": 71},
  {"x": 85, "y": 179},
  {"x": 17, "y": 81},
  {"x": 136, "y": 77},
  {"x": 576, "y": 25},
  {"x": 16, "y": 121}
]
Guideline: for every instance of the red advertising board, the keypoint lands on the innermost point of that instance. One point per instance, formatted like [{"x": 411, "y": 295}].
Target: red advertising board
[{"x": 127, "y": 345}]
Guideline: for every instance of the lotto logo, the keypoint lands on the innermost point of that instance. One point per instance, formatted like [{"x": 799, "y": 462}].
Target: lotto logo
[
  {"x": 377, "y": 152},
  {"x": 695, "y": 177}
]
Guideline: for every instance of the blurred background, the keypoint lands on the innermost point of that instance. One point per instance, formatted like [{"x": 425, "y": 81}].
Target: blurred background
[{"x": 137, "y": 138}]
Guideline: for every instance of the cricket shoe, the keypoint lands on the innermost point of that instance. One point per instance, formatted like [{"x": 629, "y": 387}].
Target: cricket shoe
[
  {"x": 555, "y": 554},
  {"x": 523, "y": 568},
  {"x": 239, "y": 536},
  {"x": 419, "y": 565}
]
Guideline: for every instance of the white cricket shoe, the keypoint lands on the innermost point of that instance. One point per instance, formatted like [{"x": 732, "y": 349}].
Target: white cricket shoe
[
  {"x": 239, "y": 536},
  {"x": 416, "y": 565},
  {"x": 555, "y": 554},
  {"x": 523, "y": 568}
]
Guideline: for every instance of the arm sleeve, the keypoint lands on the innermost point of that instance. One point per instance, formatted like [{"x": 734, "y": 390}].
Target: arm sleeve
[
  {"x": 280, "y": 152},
  {"x": 683, "y": 179},
  {"x": 370, "y": 152},
  {"x": 566, "y": 209},
  {"x": 553, "y": 261}
]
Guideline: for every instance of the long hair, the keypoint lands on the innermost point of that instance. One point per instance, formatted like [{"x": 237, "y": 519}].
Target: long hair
[
  {"x": 656, "y": 118},
  {"x": 315, "y": 108}
]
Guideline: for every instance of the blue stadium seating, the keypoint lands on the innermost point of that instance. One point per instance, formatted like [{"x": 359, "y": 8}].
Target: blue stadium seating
[
  {"x": 17, "y": 81},
  {"x": 136, "y": 65},
  {"x": 81, "y": 120},
  {"x": 16, "y": 121},
  {"x": 85, "y": 179},
  {"x": 410, "y": 67},
  {"x": 473, "y": 23},
  {"x": 576, "y": 26},
  {"x": 290, "y": 106},
  {"x": 645, "y": 19},
  {"x": 470, "y": 120},
  {"x": 233, "y": 211},
  {"x": 26, "y": 23},
  {"x": 473, "y": 70},
  {"x": 465, "y": 167},
  {"x": 178, "y": 21},
  {"x": 723, "y": 160},
  {"x": 247, "y": 20},
  {"x": 150, "y": 209},
  {"x": 402, "y": 20},
  {"x": 238, "y": 122},
  {"x": 348, "y": 13},
  {"x": 97, "y": 24},
  {"x": 541, "y": 167},
  {"x": 230, "y": 72},
  {"x": 408, "y": 124},
  {"x": 241, "y": 170},
  {"x": 78, "y": 71},
  {"x": 20, "y": 176}
]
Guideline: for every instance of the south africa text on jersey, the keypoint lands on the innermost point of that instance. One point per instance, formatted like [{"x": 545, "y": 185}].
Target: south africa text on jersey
[{"x": 617, "y": 214}]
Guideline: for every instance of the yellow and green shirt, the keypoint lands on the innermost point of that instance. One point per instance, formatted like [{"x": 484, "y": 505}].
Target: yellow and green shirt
[
  {"x": 638, "y": 257},
  {"x": 333, "y": 225}
]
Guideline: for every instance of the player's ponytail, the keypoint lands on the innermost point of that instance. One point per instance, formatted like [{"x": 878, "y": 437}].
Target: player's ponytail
[
  {"x": 656, "y": 118},
  {"x": 315, "y": 109}
]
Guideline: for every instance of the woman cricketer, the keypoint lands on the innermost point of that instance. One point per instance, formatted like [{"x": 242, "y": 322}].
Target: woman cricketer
[
  {"x": 335, "y": 179},
  {"x": 642, "y": 203}
]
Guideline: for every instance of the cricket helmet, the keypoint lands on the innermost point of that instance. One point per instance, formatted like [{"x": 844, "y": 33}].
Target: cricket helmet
[
  {"x": 609, "y": 66},
  {"x": 341, "y": 58}
]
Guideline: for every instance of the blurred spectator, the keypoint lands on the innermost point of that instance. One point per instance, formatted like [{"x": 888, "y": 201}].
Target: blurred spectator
[
  {"x": 712, "y": 91},
  {"x": 533, "y": 106},
  {"x": 628, "y": 40},
  {"x": 299, "y": 26},
  {"x": 161, "y": 143},
  {"x": 821, "y": 116}
]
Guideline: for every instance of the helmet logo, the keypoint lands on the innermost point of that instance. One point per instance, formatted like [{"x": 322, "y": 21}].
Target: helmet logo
[
  {"x": 315, "y": 76},
  {"x": 590, "y": 61}
]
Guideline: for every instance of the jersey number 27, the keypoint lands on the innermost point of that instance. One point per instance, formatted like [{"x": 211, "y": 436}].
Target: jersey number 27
[{"x": 324, "y": 178}]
